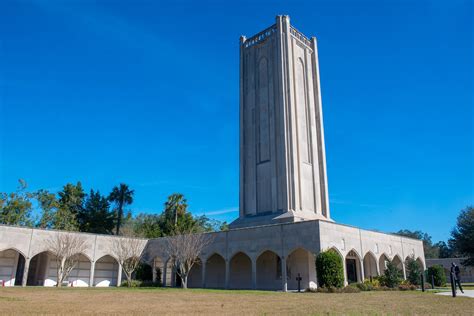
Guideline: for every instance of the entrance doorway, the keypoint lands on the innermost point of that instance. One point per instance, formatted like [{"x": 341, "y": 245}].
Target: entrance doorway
[{"x": 351, "y": 270}]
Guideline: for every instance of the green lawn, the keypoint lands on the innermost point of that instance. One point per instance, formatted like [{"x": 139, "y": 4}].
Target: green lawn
[{"x": 39, "y": 300}]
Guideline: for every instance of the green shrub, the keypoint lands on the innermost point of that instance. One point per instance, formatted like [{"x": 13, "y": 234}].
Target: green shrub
[
  {"x": 413, "y": 270},
  {"x": 144, "y": 272},
  {"x": 366, "y": 286},
  {"x": 330, "y": 269},
  {"x": 392, "y": 276},
  {"x": 375, "y": 282},
  {"x": 135, "y": 283},
  {"x": 437, "y": 272}
]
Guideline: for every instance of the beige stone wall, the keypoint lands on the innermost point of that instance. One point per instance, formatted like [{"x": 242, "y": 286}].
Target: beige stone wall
[
  {"x": 295, "y": 244},
  {"x": 31, "y": 244},
  {"x": 254, "y": 257}
]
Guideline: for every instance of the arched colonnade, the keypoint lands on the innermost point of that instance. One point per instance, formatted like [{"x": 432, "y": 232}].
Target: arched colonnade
[
  {"x": 270, "y": 271},
  {"x": 40, "y": 270}
]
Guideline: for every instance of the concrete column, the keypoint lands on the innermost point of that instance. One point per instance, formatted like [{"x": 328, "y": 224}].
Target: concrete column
[
  {"x": 346, "y": 282},
  {"x": 91, "y": 277},
  {"x": 25, "y": 272},
  {"x": 284, "y": 277},
  {"x": 362, "y": 274},
  {"x": 404, "y": 271},
  {"x": 377, "y": 267},
  {"x": 227, "y": 273},
  {"x": 316, "y": 273},
  {"x": 153, "y": 270},
  {"x": 119, "y": 275},
  {"x": 203, "y": 276},
  {"x": 164, "y": 273},
  {"x": 254, "y": 273}
]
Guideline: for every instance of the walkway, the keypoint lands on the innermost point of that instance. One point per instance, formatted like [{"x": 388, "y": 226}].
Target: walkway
[{"x": 467, "y": 293}]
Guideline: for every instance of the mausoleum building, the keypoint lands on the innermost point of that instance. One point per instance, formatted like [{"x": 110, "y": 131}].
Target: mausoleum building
[{"x": 284, "y": 219}]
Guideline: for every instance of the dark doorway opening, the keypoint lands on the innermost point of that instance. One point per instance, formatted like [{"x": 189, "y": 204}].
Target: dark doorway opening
[
  {"x": 351, "y": 270},
  {"x": 177, "y": 279},
  {"x": 20, "y": 269}
]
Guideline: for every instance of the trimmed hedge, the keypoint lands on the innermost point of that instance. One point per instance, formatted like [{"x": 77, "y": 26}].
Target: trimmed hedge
[
  {"x": 437, "y": 271},
  {"x": 329, "y": 267}
]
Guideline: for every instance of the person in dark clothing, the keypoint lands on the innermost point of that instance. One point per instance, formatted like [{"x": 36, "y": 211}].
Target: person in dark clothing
[{"x": 456, "y": 276}]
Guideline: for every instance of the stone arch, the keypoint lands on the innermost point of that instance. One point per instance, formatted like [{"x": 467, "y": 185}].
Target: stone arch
[
  {"x": 106, "y": 271},
  {"x": 215, "y": 271},
  {"x": 421, "y": 263},
  {"x": 14, "y": 249},
  {"x": 397, "y": 261},
  {"x": 370, "y": 265},
  {"x": 195, "y": 275},
  {"x": 40, "y": 251},
  {"x": 334, "y": 248},
  {"x": 80, "y": 275},
  {"x": 262, "y": 251},
  {"x": 383, "y": 262},
  {"x": 269, "y": 272},
  {"x": 301, "y": 262},
  {"x": 352, "y": 266},
  {"x": 158, "y": 265},
  {"x": 240, "y": 272},
  {"x": 39, "y": 270},
  {"x": 43, "y": 270},
  {"x": 169, "y": 274},
  {"x": 12, "y": 265}
]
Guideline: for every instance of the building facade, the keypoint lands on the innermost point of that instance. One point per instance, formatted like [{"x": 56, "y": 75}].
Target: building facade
[{"x": 284, "y": 219}]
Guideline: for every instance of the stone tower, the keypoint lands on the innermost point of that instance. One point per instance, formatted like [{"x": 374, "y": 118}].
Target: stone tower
[{"x": 282, "y": 152}]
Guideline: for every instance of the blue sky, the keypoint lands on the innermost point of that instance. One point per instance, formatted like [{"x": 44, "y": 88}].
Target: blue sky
[{"x": 146, "y": 93}]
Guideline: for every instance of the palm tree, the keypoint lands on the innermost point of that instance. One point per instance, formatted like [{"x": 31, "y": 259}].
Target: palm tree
[
  {"x": 177, "y": 204},
  {"x": 121, "y": 196}
]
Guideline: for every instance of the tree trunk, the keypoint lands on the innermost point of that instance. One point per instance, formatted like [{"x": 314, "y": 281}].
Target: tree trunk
[
  {"x": 129, "y": 279},
  {"x": 58, "y": 280},
  {"x": 184, "y": 281},
  {"x": 60, "y": 274},
  {"x": 119, "y": 216}
]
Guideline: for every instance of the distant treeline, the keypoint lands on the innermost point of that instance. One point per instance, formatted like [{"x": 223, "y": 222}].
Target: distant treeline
[{"x": 72, "y": 209}]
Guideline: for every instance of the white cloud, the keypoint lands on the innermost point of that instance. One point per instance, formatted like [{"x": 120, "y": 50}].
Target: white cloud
[{"x": 222, "y": 211}]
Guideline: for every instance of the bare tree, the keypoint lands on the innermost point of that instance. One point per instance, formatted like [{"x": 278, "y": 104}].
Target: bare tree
[
  {"x": 66, "y": 249},
  {"x": 183, "y": 249},
  {"x": 128, "y": 251}
]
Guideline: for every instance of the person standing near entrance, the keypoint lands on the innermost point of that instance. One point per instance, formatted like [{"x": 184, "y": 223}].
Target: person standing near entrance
[{"x": 456, "y": 276}]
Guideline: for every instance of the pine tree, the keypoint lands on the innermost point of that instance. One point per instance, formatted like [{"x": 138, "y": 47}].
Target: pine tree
[
  {"x": 70, "y": 203},
  {"x": 96, "y": 216}
]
